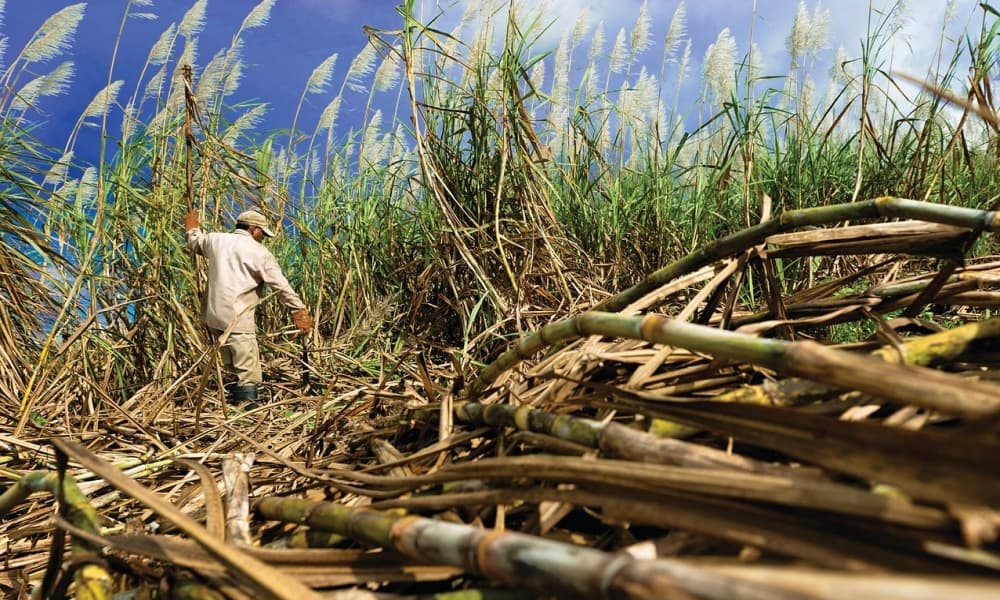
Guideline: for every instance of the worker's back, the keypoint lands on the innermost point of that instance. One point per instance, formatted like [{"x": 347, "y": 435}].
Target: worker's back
[{"x": 236, "y": 269}]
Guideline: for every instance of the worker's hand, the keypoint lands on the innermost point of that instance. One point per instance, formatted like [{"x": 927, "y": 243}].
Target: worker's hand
[
  {"x": 191, "y": 220},
  {"x": 302, "y": 320}
]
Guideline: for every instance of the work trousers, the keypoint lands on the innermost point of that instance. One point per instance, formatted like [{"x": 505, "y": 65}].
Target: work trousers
[{"x": 241, "y": 356}]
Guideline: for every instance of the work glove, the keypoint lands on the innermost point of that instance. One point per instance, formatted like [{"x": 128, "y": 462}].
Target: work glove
[
  {"x": 191, "y": 220},
  {"x": 302, "y": 320}
]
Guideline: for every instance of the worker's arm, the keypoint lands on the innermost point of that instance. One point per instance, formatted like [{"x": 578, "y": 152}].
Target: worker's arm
[
  {"x": 275, "y": 278},
  {"x": 271, "y": 274},
  {"x": 192, "y": 231}
]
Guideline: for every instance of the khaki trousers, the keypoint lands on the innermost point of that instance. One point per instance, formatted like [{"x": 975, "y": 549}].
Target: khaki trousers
[{"x": 241, "y": 356}]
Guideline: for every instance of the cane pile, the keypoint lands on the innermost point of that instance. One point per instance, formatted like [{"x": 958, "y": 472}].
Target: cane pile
[{"x": 712, "y": 432}]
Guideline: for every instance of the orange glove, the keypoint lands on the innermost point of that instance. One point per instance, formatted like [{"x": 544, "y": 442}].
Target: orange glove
[
  {"x": 191, "y": 220},
  {"x": 302, "y": 320}
]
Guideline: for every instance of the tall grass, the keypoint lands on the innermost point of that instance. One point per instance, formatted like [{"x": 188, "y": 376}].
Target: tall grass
[{"x": 492, "y": 184}]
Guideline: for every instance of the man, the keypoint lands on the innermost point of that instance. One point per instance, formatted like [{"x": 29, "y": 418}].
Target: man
[{"x": 238, "y": 266}]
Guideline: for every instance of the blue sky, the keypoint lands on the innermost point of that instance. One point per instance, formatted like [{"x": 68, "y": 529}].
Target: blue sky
[{"x": 301, "y": 33}]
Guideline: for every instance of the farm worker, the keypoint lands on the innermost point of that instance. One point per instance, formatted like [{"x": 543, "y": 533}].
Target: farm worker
[{"x": 238, "y": 267}]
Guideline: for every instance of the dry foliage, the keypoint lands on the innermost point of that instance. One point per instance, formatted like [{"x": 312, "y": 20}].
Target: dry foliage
[{"x": 741, "y": 461}]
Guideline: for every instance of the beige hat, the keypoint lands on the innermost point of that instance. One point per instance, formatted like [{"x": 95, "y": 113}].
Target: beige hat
[{"x": 255, "y": 219}]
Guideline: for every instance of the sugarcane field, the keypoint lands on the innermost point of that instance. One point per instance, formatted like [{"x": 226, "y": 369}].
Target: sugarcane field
[{"x": 491, "y": 304}]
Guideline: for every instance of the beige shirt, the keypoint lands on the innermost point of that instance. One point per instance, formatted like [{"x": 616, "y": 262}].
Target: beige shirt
[{"x": 238, "y": 267}]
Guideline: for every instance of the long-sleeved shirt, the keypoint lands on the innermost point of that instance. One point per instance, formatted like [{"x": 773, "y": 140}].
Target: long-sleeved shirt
[{"x": 238, "y": 267}]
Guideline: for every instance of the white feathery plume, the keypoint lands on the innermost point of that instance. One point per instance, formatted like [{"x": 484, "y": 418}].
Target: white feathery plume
[
  {"x": 320, "y": 77},
  {"x": 949, "y": 11},
  {"x": 494, "y": 85},
  {"x": 388, "y": 73},
  {"x": 719, "y": 65},
  {"x": 155, "y": 83},
  {"x": 840, "y": 70},
  {"x": 626, "y": 101},
  {"x": 160, "y": 52},
  {"x": 190, "y": 54},
  {"x": 899, "y": 16},
  {"x": 831, "y": 96},
  {"x": 314, "y": 164},
  {"x": 660, "y": 126},
  {"x": 474, "y": 61},
  {"x": 604, "y": 137},
  {"x": 210, "y": 81},
  {"x": 59, "y": 169},
  {"x": 128, "y": 121},
  {"x": 449, "y": 49},
  {"x": 791, "y": 85},
  {"x": 560, "y": 72},
  {"x": 688, "y": 154},
  {"x": 244, "y": 122},
  {"x": 796, "y": 40},
  {"x": 171, "y": 108},
  {"x": 818, "y": 33},
  {"x": 234, "y": 69},
  {"x": 55, "y": 36},
  {"x": 618, "y": 53},
  {"x": 3, "y": 5},
  {"x": 684, "y": 64},
  {"x": 280, "y": 165},
  {"x": 360, "y": 67},
  {"x": 397, "y": 148},
  {"x": 472, "y": 10},
  {"x": 675, "y": 31},
  {"x": 596, "y": 43},
  {"x": 639, "y": 40},
  {"x": 590, "y": 83},
  {"x": 328, "y": 118},
  {"x": 145, "y": 16},
  {"x": 102, "y": 100},
  {"x": 646, "y": 88},
  {"x": 809, "y": 34},
  {"x": 259, "y": 16},
  {"x": 518, "y": 9},
  {"x": 339, "y": 164},
  {"x": 537, "y": 75},
  {"x": 373, "y": 147},
  {"x": 580, "y": 26},
  {"x": 558, "y": 117},
  {"x": 51, "y": 84},
  {"x": 638, "y": 101},
  {"x": 66, "y": 191},
  {"x": 87, "y": 189},
  {"x": 194, "y": 19}
]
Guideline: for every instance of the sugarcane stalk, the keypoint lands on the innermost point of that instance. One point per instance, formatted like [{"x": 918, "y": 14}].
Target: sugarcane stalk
[
  {"x": 880, "y": 300},
  {"x": 612, "y": 439},
  {"x": 515, "y": 559},
  {"x": 267, "y": 582},
  {"x": 901, "y": 383},
  {"x": 92, "y": 579},
  {"x": 838, "y": 585},
  {"x": 793, "y": 391},
  {"x": 885, "y": 207},
  {"x": 802, "y": 492}
]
